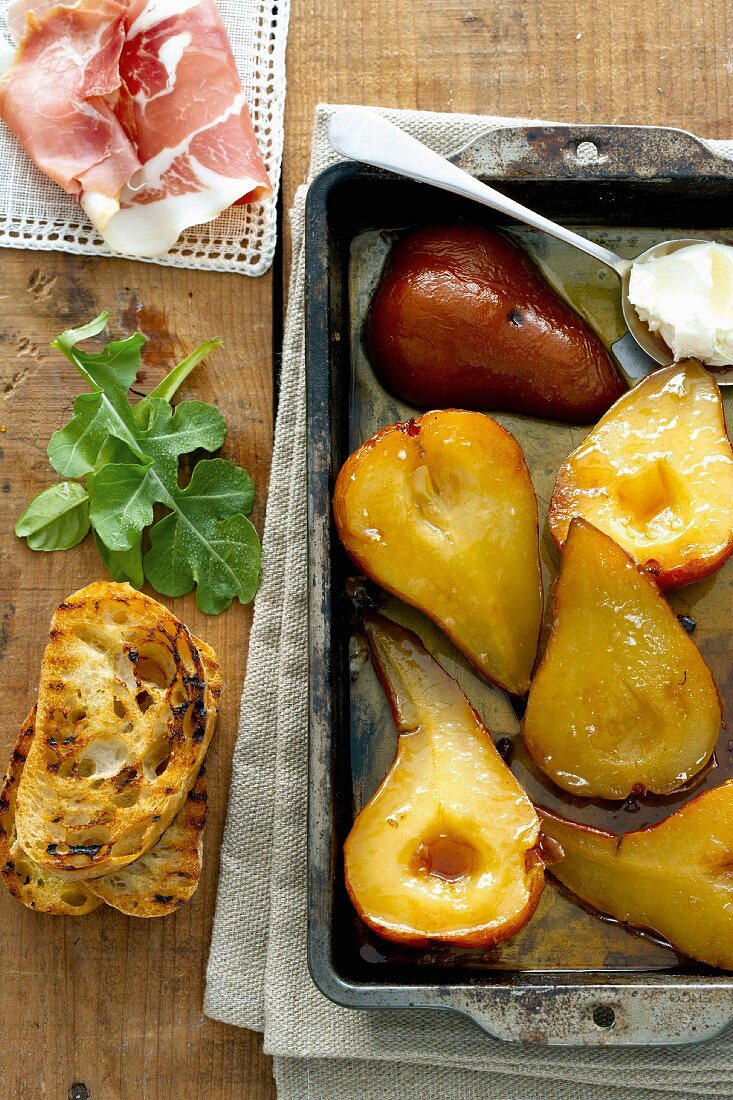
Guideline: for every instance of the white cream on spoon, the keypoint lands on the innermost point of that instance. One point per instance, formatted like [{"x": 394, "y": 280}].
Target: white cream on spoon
[{"x": 687, "y": 297}]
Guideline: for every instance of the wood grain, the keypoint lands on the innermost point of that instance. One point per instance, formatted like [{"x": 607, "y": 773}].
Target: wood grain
[
  {"x": 622, "y": 61},
  {"x": 117, "y": 1004},
  {"x": 114, "y": 1003}
]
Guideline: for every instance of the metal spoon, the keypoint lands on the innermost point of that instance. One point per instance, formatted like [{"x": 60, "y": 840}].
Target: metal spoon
[{"x": 363, "y": 135}]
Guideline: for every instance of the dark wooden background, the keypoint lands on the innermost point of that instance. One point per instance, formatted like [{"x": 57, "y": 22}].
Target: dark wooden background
[{"x": 116, "y": 1004}]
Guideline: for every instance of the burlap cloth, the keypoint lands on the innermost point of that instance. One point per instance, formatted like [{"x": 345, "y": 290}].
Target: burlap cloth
[{"x": 257, "y": 974}]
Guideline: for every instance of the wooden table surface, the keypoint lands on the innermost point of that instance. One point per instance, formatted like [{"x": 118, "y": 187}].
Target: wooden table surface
[{"x": 111, "y": 1005}]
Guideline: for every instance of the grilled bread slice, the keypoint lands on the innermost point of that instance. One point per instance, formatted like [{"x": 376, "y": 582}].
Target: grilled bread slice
[
  {"x": 32, "y": 885},
  {"x": 158, "y": 883},
  {"x": 163, "y": 879},
  {"x": 125, "y": 715}
]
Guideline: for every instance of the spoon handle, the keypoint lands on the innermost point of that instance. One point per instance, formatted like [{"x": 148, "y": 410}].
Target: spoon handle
[{"x": 363, "y": 135}]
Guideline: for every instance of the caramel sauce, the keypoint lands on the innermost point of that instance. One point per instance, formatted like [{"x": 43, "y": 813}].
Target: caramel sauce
[
  {"x": 446, "y": 858},
  {"x": 639, "y": 811}
]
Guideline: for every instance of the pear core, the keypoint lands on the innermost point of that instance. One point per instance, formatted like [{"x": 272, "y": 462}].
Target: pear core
[{"x": 445, "y": 857}]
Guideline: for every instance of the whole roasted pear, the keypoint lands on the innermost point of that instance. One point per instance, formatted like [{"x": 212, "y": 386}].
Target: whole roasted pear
[{"x": 463, "y": 318}]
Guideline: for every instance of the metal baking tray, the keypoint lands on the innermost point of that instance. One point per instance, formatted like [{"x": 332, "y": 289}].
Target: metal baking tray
[{"x": 570, "y": 977}]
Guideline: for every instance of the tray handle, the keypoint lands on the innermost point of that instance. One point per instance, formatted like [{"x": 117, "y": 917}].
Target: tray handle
[
  {"x": 596, "y": 152},
  {"x": 594, "y": 1016}
]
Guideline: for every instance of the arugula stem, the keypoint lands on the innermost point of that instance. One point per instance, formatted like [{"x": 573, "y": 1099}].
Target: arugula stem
[
  {"x": 126, "y": 425},
  {"x": 175, "y": 378}
]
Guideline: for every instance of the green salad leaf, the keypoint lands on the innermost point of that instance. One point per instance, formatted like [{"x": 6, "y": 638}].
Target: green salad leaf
[
  {"x": 73, "y": 451},
  {"x": 129, "y": 456},
  {"x": 124, "y": 565},
  {"x": 111, "y": 370},
  {"x": 122, "y": 503},
  {"x": 207, "y": 540},
  {"x": 105, "y": 412},
  {"x": 169, "y": 432},
  {"x": 57, "y": 518}
]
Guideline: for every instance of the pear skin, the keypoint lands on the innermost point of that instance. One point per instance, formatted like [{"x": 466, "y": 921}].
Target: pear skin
[
  {"x": 622, "y": 700},
  {"x": 462, "y": 316},
  {"x": 674, "y": 878},
  {"x": 656, "y": 474},
  {"x": 441, "y": 512},
  {"x": 446, "y": 850}
]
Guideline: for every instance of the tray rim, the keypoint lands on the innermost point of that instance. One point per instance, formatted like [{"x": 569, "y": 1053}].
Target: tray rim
[{"x": 532, "y": 1007}]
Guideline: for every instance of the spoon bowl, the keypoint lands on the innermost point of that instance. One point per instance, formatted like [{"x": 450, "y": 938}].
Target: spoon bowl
[
  {"x": 360, "y": 134},
  {"x": 651, "y": 342}
]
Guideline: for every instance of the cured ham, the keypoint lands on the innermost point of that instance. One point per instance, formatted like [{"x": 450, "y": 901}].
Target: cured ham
[
  {"x": 137, "y": 108},
  {"x": 17, "y": 15},
  {"x": 57, "y": 98},
  {"x": 184, "y": 104}
]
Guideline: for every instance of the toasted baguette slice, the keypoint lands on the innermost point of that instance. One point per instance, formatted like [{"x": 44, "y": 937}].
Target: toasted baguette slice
[
  {"x": 125, "y": 716},
  {"x": 32, "y": 885},
  {"x": 156, "y": 884},
  {"x": 163, "y": 879}
]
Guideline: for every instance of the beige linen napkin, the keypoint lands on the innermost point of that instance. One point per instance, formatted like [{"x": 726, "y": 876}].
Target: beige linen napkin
[{"x": 257, "y": 974}]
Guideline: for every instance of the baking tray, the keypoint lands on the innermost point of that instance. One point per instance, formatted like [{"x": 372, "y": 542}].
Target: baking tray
[{"x": 569, "y": 977}]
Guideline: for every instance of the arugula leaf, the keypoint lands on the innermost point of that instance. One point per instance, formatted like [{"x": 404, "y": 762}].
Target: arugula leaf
[
  {"x": 207, "y": 540},
  {"x": 130, "y": 456},
  {"x": 126, "y": 565},
  {"x": 177, "y": 430},
  {"x": 106, "y": 413},
  {"x": 122, "y": 502},
  {"x": 114, "y": 369},
  {"x": 237, "y": 542},
  {"x": 228, "y": 566},
  {"x": 124, "y": 495},
  {"x": 57, "y": 518},
  {"x": 167, "y": 433},
  {"x": 220, "y": 486},
  {"x": 73, "y": 451}
]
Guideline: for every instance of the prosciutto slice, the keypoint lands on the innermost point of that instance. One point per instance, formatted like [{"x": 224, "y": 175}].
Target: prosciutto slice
[
  {"x": 137, "y": 108},
  {"x": 58, "y": 98},
  {"x": 183, "y": 103}
]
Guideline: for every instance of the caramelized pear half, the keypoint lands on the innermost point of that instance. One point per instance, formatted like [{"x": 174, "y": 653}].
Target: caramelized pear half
[
  {"x": 447, "y": 849},
  {"x": 656, "y": 474},
  {"x": 441, "y": 512},
  {"x": 675, "y": 878},
  {"x": 622, "y": 700}
]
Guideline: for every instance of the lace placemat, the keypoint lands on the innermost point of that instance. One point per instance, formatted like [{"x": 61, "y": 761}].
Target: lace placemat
[{"x": 35, "y": 213}]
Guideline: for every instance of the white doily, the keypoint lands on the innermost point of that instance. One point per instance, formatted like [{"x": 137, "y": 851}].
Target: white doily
[{"x": 35, "y": 213}]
